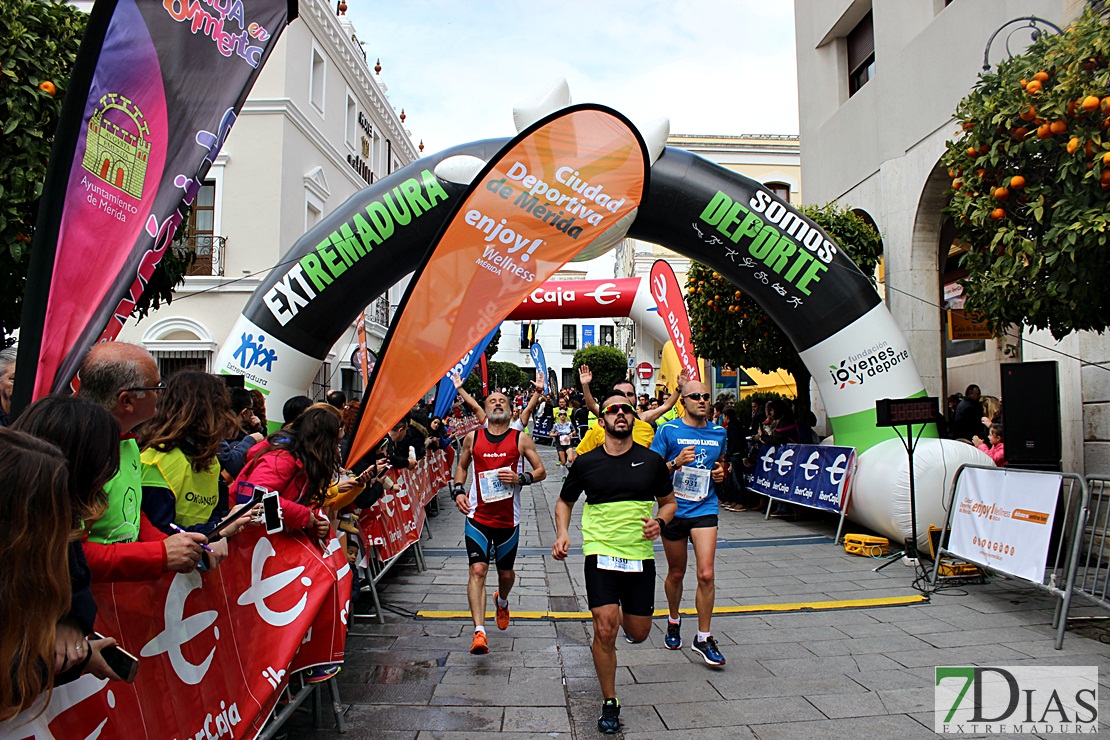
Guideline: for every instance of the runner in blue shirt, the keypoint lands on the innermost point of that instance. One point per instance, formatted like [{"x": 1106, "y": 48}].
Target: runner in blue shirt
[{"x": 694, "y": 449}]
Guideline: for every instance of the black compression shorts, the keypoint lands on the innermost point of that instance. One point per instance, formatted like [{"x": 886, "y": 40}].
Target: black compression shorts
[
  {"x": 484, "y": 544},
  {"x": 634, "y": 592}
]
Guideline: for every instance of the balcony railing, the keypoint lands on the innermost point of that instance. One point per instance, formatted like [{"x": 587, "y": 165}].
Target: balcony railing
[{"x": 209, "y": 250}]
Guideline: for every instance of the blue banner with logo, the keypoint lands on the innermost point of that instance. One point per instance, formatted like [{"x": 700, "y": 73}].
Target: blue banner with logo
[
  {"x": 445, "y": 391},
  {"x": 808, "y": 475},
  {"x": 588, "y": 335},
  {"x": 538, "y": 360}
]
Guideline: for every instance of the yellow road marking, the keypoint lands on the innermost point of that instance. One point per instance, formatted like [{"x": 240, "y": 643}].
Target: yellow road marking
[{"x": 799, "y": 606}]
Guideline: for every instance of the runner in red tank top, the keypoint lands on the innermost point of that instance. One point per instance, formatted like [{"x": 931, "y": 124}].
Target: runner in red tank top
[{"x": 492, "y": 508}]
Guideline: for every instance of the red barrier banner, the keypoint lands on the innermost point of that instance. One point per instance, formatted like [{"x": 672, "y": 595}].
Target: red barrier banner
[
  {"x": 460, "y": 427},
  {"x": 672, "y": 309},
  {"x": 396, "y": 520},
  {"x": 215, "y": 649}
]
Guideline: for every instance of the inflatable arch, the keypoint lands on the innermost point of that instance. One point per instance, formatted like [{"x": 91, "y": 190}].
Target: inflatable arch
[{"x": 802, "y": 279}]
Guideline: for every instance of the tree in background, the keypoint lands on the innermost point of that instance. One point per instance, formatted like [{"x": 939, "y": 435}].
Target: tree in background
[
  {"x": 731, "y": 329},
  {"x": 608, "y": 365},
  {"x": 1030, "y": 171},
  {"x": 37, "y": 51}
]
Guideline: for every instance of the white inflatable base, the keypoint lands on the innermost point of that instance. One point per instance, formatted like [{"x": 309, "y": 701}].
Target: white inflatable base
[{"x": 880, "y": 497}]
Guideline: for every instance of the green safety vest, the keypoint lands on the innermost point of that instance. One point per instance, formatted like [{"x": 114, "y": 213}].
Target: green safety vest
[
  {"x": 197, "y": 493},
  {"x": 120, "y": 521}
]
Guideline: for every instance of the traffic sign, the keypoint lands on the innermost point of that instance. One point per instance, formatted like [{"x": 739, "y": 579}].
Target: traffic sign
[{"x": 645, "y": 370}]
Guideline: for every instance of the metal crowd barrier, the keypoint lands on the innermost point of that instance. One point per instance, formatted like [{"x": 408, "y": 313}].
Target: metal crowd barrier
[
  {"x": 1093, "y": 572},
  {"x": 1064, "y": 548}
]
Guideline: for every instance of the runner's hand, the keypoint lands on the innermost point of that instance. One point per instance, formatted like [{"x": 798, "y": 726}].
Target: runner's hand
[
  {"x": 456, "y": 380},
  {"x": 584, "y": 374},
  {"x": 561, "y": 547},
  {"x": 508, "y": 476},
  {"x": 651, "y": 528},
  {"x": 688, "y": 455},
  {"x": 719, "y": 473},
  {"x": 462, "y": 503}
]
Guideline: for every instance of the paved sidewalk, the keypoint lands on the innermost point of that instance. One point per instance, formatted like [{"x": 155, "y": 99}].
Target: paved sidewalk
[{"x": 803, "y": 673}]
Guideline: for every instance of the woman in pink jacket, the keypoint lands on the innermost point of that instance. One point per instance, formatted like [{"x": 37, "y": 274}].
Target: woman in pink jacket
[
  {"x": 994, "y": 449},
  {"x": 299, "y": 462}
]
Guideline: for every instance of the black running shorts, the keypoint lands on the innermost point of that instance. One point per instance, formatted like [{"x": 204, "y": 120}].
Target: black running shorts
[
  {"x": 634, "y": 592},
  {"x": 484, "y": 544},
  {"x": 679, "y": 527}
]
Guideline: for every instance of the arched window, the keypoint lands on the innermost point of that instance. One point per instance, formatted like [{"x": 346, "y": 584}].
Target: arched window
[{"x": 780, "y": 189}]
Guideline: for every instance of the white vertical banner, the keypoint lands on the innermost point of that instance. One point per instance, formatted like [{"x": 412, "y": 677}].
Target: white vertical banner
[{"x": 1003, "y": 520}]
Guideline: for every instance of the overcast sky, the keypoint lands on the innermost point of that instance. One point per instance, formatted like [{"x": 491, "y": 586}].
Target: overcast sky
[{"x": 710, "y": 66}]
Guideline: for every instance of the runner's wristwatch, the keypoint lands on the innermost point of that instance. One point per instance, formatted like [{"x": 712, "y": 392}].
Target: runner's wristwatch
[{"x": 457, "y": 490}]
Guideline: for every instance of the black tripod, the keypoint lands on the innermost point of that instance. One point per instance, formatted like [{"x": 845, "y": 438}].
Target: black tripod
[{"x": 916, "y": 410}]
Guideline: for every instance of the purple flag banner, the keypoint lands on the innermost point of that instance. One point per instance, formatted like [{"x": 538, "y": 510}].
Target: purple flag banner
[{"x": 155, "y": 90}]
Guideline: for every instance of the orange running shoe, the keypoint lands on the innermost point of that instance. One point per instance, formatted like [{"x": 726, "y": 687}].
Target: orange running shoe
[
  {"x": 480, "y": 646},
  {"x": 502, "y": 614}
]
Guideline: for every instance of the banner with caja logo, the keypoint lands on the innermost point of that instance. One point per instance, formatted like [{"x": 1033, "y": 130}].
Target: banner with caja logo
[
  {"x": 547, "y": 196},
  {"x": 672, "y": 309},
  {"x": 808, "y": 475},
  {"x": 1003, "y": 520},
  {"x": 396, "y": 520},
  {"x": 215, "y": 649},
  {"x": 155, "y": 91}
]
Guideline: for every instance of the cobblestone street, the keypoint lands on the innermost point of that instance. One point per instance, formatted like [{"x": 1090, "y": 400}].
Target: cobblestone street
[{"x": 813, "y": 669}]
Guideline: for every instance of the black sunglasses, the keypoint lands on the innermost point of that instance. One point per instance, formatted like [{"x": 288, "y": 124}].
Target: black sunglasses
[
  {"x": 697, "y": 396},
  {"x": 617, "y": 408}
]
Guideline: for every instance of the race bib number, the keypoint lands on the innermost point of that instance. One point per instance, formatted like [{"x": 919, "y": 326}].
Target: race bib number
[
  {"x": 608, "y": 562},
  {"x": 564, "y": 439},
  {"x": 492, "y": 488},
  {"x": 691, "y": 484}
]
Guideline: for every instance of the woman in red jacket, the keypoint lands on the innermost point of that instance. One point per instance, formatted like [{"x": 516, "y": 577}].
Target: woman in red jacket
[{"x": 299, "y": 462}]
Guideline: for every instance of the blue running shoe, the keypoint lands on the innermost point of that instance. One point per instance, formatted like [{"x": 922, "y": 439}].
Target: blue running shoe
[
  {"x": 673, "y": 640},
  {"x": 708, "y": 651},
  {"x": 630, "y": 641},
  {"x": 609, "y": 723}
]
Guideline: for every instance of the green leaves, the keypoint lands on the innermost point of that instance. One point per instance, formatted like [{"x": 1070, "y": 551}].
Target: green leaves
[
  {"x": 39, "y": 44},
  {"x": 1014, "y": 262}
]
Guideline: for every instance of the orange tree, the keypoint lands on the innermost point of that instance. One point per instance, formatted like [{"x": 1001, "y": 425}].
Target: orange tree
[
  {"x": 730, "y": 328},
  {"x": 1030, "y": 169},
  {"x": 37, "y": 50}
]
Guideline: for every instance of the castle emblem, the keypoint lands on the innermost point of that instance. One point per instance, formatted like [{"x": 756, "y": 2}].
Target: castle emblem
[{"x": 116, "y": 147}]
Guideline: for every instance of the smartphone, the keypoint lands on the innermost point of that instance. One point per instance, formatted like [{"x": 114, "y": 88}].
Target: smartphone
[
  {"x": 123, "y": 664},
  {"x": 255, "y": 493},
  {"x": 271, "y": 512}
]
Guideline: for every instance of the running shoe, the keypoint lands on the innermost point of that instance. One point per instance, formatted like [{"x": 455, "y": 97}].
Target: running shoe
[
  {"x": 609, "y": 723},
  {"x": 502, "y": 614},
  {"x": 630, "y": 641},
  {"x": 323, "y": 673},
  {"x": 673, "y": 640},
  {"x": 708, "y": 650},
  {"x": 480, "y": 646}
]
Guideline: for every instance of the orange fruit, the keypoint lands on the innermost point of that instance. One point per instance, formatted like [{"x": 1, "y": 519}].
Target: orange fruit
[
  {"x": 1041, "y": 76},
  {"x": 981, "y": 172},
  {"x": 1000, "y": 193},
  {"x": 1020, "y": 133},
  {"x": 998, "y": 213},
  {"x": 1104, "y": 177},
  {"x": 1017, "y": 182},
  {"x": 957, "y": 184},
  {"x": 1033, "y": 87},
  {"x": 1089, "y": 148},
  {"x": 1023, "y": 82},
  {"x": 1091, "y": 103},
  {"x": 1073, "y": 145},
  {"x": 738, "y": 295},
  {"x": 972, "y": 151},
  {"x": 1058, "y": 127},
  {"x": 1106, "y": 158},
  {"x": 48, "y": 87},
  {"x": 1043, "y": 132},
  {"x": 968, "y": 125},
  {"x": 1029, "y": 114},
  {"x": 951, "y": 172},
  {"x": 1071, "y": 107}
]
